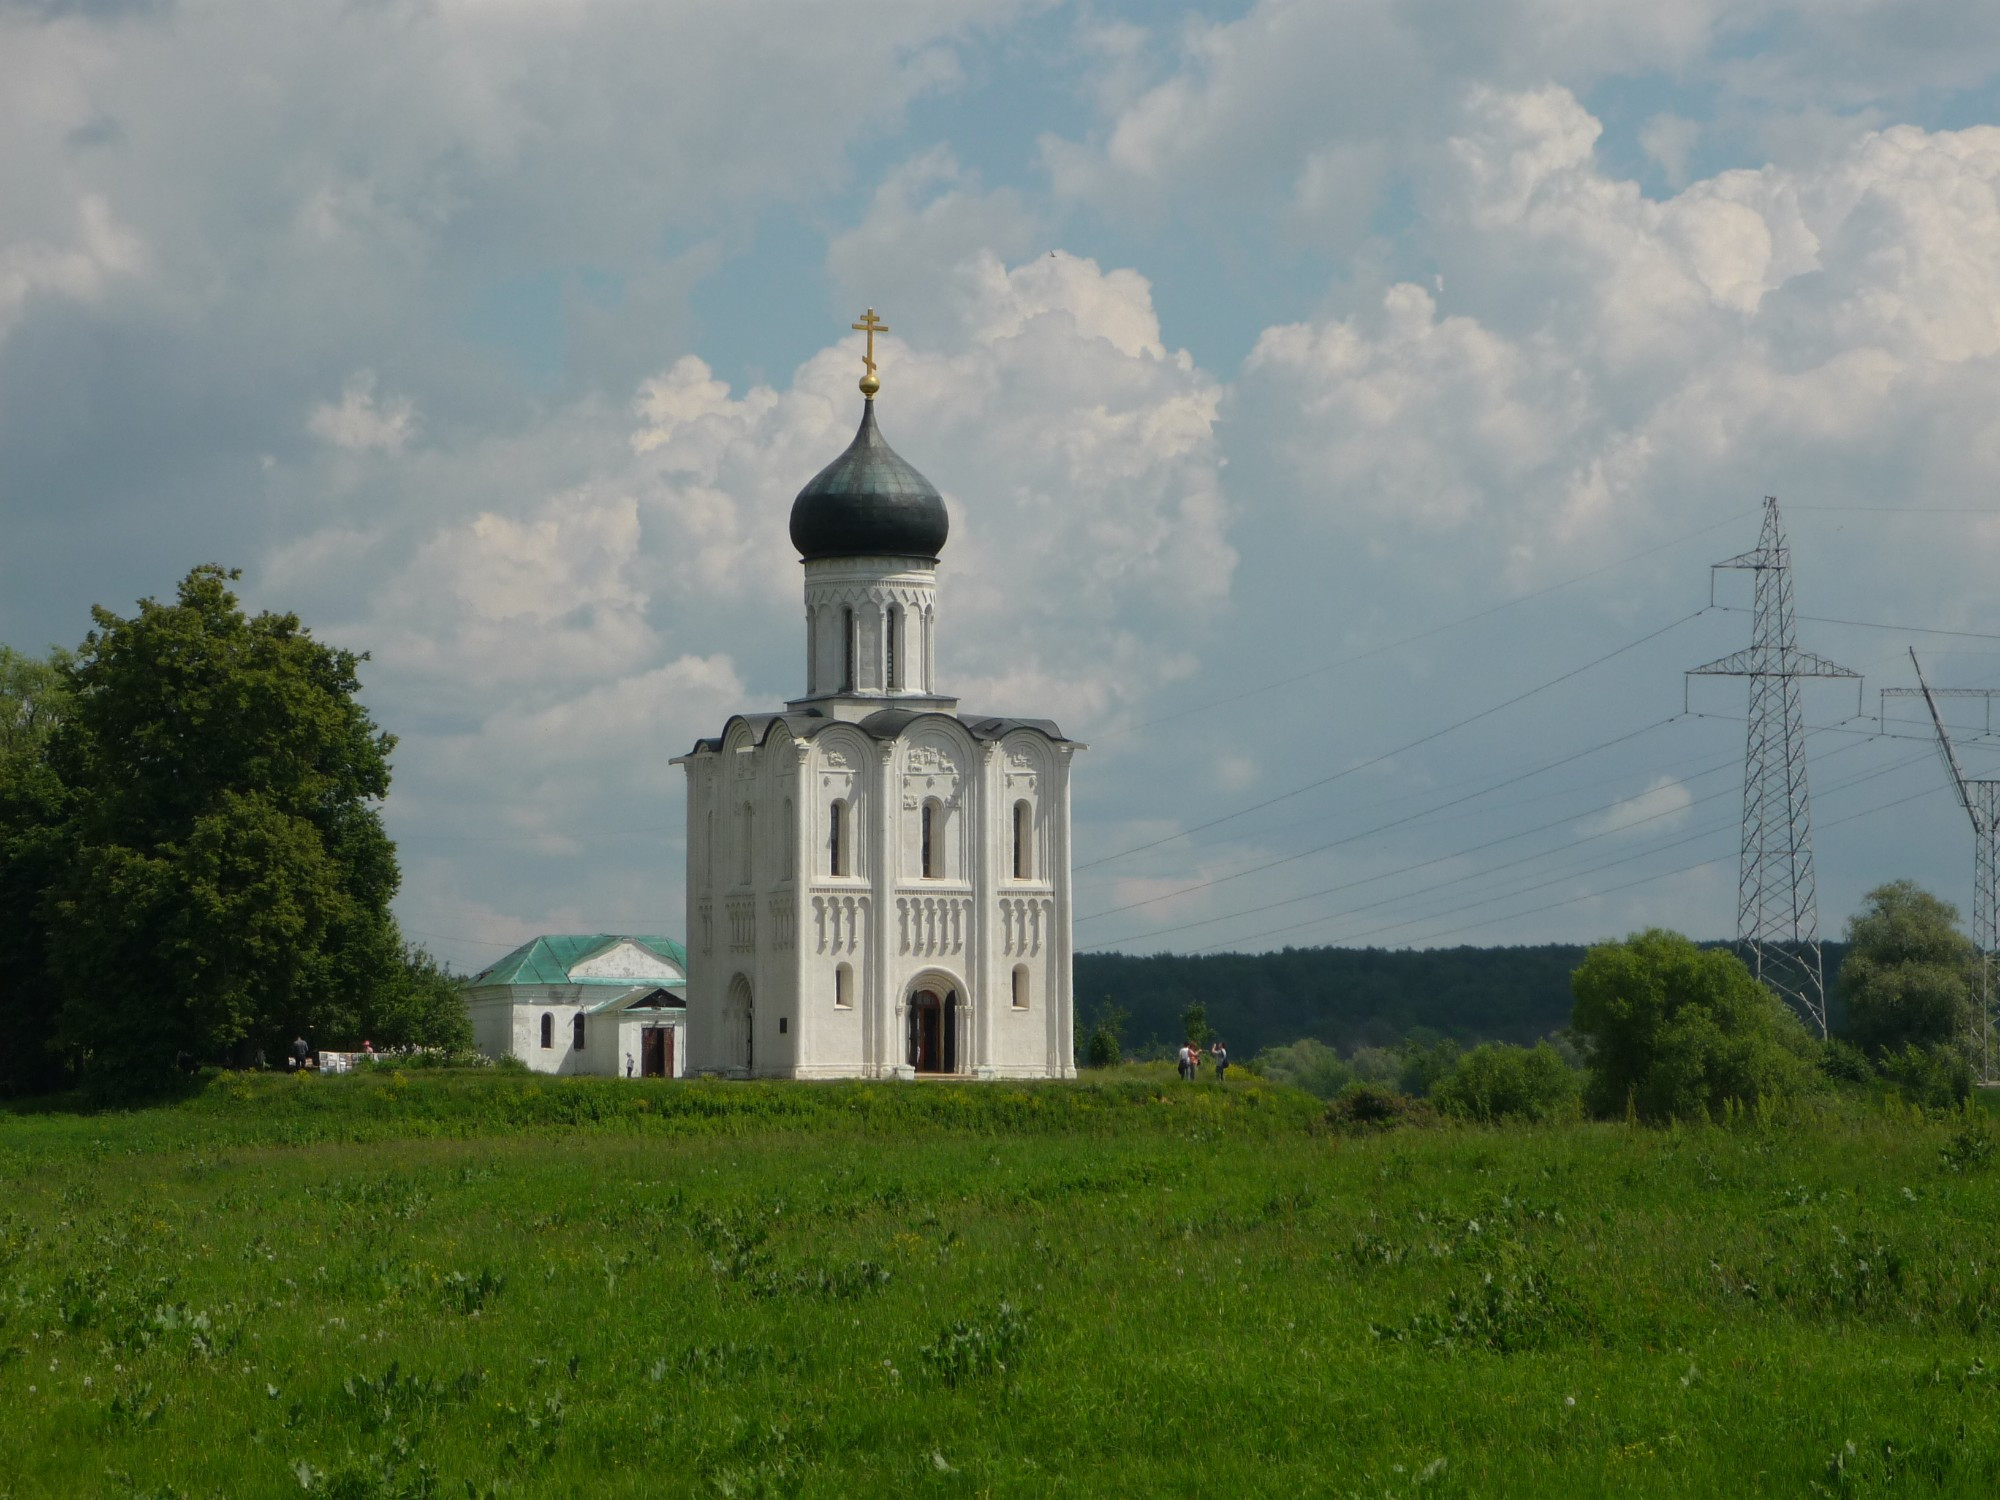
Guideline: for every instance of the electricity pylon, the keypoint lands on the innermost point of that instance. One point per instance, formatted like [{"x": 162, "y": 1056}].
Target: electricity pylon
[
  {"x": 1777, "y": 911},
  {"x": 1981, "y": 800}
]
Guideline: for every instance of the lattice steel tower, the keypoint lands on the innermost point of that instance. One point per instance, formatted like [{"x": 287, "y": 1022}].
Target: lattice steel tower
[
  {"x": 1981, "y": 801},
  {"x": 1777, "y": 914}
]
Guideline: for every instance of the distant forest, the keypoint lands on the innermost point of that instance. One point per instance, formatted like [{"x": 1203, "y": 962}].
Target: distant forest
[{"x": 1346, "y": 997}]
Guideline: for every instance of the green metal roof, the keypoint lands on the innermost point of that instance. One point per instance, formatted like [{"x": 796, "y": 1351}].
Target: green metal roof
[{"x": 549, "y": 959}]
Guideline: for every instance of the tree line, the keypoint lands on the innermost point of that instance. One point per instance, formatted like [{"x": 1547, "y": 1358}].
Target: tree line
[
  {"x": 193, "y": 867},
  {"x": 1659, "y": 1027},
  {"x": 1346, "y": 998}
]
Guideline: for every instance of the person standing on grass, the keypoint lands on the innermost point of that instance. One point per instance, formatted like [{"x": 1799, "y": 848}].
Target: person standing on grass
[
  {"x": 1221, "y": 1055},
  {"x": 1187, "y": 1062}
]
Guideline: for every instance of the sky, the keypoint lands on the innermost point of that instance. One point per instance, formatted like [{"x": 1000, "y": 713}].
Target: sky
[{"x": 1339, "y": 407}]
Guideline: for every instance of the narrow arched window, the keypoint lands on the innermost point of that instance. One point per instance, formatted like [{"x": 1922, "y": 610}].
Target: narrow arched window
[
  {"x": 928, "y": 835},
  {"x": 1020, "y": 986},
  {"x": 749, "y": 844},
  {"x": 548, "y": 1029},
  {"x": 791, "y": 836},
  {"x": 836, "y": 839},
  {"x": 847, "y": 647},
  {"x": 576, "y": 1033},
  {"x": 1024, "y": 832},
  {"x": 891, "y": 630},
  {"x": 843, "y": 986}
]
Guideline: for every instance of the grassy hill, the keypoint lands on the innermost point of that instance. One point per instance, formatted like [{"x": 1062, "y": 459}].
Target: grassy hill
[{"x": 481, "y": 1284}]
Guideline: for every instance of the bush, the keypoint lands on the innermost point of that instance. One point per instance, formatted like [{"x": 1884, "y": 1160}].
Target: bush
[
  {"x": 1307, "y": 1064},
  {"x": 1934, "y": 1077},
  {"x": 1681, "y": 1032},
  {"x": 1375, "y": 1064},
  {"x": 1497, "y": 1081},
  {"x": 1425, "y": 1060},
  {"x": 1100, "y": 1048},
  {"x": 1369, "y": 1106},
  {"x": 1844, "y": 1061},
  {"x": 1908, "y": 977}
]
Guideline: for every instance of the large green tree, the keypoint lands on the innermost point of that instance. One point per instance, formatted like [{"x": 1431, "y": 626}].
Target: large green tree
[
  {"x": 1679, "y": 1031},
  {"x": 34, "y": 697},
  {"x": 227, "y": 878},
  {"x": 1909, "y": 976}
]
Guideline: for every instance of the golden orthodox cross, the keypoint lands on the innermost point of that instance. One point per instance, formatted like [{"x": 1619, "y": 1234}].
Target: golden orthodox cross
[{"x": 870, "y": 325}]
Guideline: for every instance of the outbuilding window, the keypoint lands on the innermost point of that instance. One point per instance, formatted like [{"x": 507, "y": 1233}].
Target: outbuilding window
[
  {"x": 548, "y": 1030},
  {"x": 576, "y": 1029}
]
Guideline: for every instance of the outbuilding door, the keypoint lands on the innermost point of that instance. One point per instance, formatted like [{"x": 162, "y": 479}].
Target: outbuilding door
[{"x": 656, "y": 1052}]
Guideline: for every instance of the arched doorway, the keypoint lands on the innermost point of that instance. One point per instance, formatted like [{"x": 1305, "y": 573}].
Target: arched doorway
[
  {"x": 933, "y": 1029},
  {"x": 739, "y": 1027}
]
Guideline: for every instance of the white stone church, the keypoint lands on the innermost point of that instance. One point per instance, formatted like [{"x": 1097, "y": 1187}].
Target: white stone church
[{"x": 878, "y": 885}]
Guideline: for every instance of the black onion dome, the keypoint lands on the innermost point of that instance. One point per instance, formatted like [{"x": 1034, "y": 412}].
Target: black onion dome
[{"x": 869, "y": 503}]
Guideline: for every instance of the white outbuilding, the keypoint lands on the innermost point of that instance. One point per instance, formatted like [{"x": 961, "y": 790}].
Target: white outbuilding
[
  {"x": 878, "y": 885},
  {"x": 598, "y": 1003}
]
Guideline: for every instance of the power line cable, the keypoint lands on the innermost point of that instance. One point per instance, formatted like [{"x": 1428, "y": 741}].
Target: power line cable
[
  {"x": 1484, "y": 713},
  {"x": 1272, "y": 864},
  {"x": 1421, "y": 635},
  {"x": 1970, "y": 635},
  {"x": 1462, "y": 854},
  {"x": 1484, "y": 785},
  {"x": 1866, "y": 812},
  {"x": 1514, "y": 864},
  {"x": 1523, "y": 860}
]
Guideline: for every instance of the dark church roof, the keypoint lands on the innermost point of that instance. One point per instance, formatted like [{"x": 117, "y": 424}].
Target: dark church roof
[{"x": 869, "y": 502}]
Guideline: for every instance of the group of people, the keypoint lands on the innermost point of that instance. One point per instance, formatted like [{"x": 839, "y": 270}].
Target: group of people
[{"x": 1191, "y": 1058}]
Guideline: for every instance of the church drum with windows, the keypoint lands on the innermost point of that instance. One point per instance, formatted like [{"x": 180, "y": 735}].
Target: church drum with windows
[{"x": 878, "y": 885}]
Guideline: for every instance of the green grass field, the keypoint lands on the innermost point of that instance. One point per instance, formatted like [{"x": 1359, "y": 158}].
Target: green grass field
[{"x": 474, "y": 1284}]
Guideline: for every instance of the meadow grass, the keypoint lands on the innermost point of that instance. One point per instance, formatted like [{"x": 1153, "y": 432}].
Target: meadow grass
[{"x": 463, "y": 1284}]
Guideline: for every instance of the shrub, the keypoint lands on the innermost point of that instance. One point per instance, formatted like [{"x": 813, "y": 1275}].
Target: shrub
[
  {"x": 1908, "y": 974},
  {"x": 1975, "y": 1144},
  {"x": 1935, "y": 1077},
  {"x": 1425, "y": 1060},
  {"x": 1100, "y": 1048},
  {"x": 1369, "y": 1106},
  {"x": 1844, "y": 1061},
  {"x": 1306, "y": 1064},
  {"x": 1497, "y": 1081},
  {"x": 1375, "y": 1064},
  {"x": 1681, "y": 1032}
]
